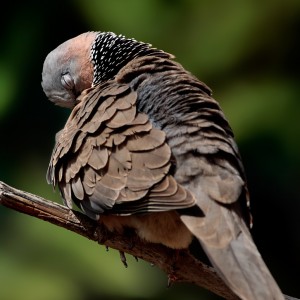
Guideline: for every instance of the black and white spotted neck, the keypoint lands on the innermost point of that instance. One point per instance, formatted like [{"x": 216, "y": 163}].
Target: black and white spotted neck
[{"x": 111, "y": 52}]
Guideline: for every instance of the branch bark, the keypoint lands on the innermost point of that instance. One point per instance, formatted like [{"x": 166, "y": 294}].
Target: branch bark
[{"x": 185, "y": 268}]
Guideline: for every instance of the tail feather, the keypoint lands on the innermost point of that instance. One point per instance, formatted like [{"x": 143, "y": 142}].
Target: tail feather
[
  {"x": 243, "y": 269},
  {"x": 228, "y": 244}
]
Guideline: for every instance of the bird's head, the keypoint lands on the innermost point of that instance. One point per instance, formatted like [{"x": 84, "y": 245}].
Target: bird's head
[
  {"x": 68, "y": 70},
  {"x": 86, "y": 60}
]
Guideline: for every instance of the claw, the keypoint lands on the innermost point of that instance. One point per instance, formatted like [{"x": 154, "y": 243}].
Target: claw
[
  {"x": 123, "y": 258},
  {"x": 171, "y": 279}
]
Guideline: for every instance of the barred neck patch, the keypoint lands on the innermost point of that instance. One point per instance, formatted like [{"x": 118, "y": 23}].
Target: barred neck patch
[{"x": 111, "y": 52}]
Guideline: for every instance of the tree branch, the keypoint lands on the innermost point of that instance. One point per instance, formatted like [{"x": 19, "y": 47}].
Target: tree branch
[{"x": 185, "y": 268}]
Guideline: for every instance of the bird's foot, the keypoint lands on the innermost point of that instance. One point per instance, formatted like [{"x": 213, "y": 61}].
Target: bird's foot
[
  {"x": 104, "y": 235},
  {"x": 131, "y": 238}
]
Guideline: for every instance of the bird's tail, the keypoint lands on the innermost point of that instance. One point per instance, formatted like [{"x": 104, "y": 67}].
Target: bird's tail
[
  {"x": 237, "y": 260},
  {"x": 244, "y": 270}
]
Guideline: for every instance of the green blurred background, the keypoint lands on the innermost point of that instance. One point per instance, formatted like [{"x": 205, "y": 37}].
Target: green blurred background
[{"x": 246, "y": 51}]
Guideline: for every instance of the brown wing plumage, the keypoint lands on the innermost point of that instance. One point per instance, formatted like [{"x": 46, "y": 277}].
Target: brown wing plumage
[{"x": 109, "y": 158}]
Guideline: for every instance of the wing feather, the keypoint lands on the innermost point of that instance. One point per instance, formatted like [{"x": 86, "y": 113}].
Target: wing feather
[{"x": 109, "y": 157}]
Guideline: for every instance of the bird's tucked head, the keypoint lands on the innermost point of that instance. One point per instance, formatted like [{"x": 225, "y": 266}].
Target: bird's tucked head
[
  {"x": 68, "y": 70},
  {"x": 86, "y": 60}
]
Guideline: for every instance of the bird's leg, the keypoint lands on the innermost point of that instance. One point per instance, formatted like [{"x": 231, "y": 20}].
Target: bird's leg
[
  {"x": 172, "y": 277},
  {"x": 102, "y": 234}
]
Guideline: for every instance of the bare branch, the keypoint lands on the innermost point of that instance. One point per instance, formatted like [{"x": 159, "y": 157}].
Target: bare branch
[{"x": 182, "y": 266}]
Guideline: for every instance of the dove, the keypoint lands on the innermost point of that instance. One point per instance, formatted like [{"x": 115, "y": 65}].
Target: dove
[{"x": 147, "y": 147}]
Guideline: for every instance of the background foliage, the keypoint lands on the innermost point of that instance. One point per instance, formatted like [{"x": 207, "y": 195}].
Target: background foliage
[{"x": 246, "y": 51}]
